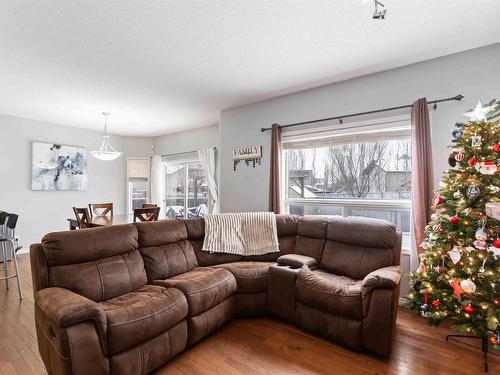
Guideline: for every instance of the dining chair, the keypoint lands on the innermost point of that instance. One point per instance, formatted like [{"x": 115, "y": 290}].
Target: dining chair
[
  {"x": 9, "y": 237},
  {"x": 82, "y": 217},
  {"x": 101, "y": 209},
  {"x": 146, "y": 214},
  {"x": 149, "y": 205}
]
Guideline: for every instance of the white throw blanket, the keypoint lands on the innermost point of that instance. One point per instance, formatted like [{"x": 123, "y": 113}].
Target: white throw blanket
[{"x": 245, "y": 233}]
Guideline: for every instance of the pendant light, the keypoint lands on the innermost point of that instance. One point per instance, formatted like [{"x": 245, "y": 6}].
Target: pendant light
[{"x": 106, "y": 151}]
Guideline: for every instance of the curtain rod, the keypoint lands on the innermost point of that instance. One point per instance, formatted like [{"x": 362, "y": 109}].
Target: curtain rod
[
  {"x": 454, "y": 98},
  {"x": 185, "y": 152}
]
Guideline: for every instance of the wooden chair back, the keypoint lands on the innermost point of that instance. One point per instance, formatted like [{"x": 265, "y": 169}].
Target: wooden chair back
[
  {"x": 82, "y": 217},
  {"x": 101, "y": 209},
  {"x": 149, "y": 205},
  {"x": 146, "y": 214}
]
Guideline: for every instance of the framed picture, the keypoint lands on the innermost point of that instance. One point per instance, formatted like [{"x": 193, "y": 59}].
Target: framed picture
[{"x": 58, "y": 167}]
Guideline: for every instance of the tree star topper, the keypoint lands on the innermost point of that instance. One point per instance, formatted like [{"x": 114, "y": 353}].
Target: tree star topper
[{"x": 478, "y": 113}]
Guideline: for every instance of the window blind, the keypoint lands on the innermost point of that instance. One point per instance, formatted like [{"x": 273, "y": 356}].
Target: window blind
[
  {"x": 181, "y": 157},
  {"x": 349, "y": 134},
  {"x": 138, "y": 167}
]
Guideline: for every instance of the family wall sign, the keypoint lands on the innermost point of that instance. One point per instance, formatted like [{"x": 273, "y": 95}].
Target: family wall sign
[{"x": 252, "y": 154}]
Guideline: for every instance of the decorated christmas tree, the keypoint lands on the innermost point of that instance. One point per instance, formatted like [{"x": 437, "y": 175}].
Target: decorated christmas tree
[{"x": 459, "y": 272}]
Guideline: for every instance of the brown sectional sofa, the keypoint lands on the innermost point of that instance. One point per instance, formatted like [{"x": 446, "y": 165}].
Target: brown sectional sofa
[{"x": 126, "y": 299}]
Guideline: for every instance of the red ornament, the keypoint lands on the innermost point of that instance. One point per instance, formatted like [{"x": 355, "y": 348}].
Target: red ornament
[
  {"x": 496, "y": 243},
  {"x": 469, "y": 309},
  {"x": 496, "y": 147},
  {"x": 436, "y": 304},
  {"x": 454, "y": 220},
  {"x": 437, "y": 200},
  {"x": 472, "y": 160}
]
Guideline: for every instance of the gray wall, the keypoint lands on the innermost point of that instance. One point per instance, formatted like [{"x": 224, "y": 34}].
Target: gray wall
[
  {"x": 189, "y": 140},
  {"x": 41, "y": 212},
  {"x": 473, "y": 73}
]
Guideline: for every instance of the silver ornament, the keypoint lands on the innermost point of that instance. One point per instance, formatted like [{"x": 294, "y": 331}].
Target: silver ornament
[{"x": 473, "y": 191}]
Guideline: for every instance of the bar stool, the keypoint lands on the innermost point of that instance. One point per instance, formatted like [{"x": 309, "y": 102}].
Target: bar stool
[
  {"x": 3, "y": 221},
  {"x": 3, "y": 226},
  {"x": 9, "y": 237}
]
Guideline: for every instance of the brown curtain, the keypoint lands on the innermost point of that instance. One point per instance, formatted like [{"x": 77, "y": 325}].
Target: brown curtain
[
  {"x": 422, "y": 185},
  {"x": 274, "y": 177}
]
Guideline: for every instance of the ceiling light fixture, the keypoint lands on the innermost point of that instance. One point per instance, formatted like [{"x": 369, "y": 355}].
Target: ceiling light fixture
[
  {"x": 106, "y": 151},
  {"x": 380, "y": 11}
]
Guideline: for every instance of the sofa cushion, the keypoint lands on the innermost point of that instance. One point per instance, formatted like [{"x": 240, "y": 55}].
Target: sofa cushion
[
  {"x": 354, "y": 261},
  {"x": 165, "y": 247},
  {"x": 311, "y": 236},
  {"x": 195, "y": 228},
  {"x": 169, "y": 259},
  {"x": 138, "y": 316},
  {"x": 363, "y": 232},
  {"x": 357, "y": 246},
  {"x": 313, "y": 226},
  {"x": 297, "y": 261},
  {"x": 251, "y": 277},
  {"x": 103, "y": 278},
  {"x": 287, "y": 225},
  {"x": 203, "y": 287},
  {"x": 311, "y": 247},
  {"x": 337, "y": 295},
  {"x": 287, "y": 244},
  {"x": 161, "y": 232},
  {"x": 71, "y": 247}
]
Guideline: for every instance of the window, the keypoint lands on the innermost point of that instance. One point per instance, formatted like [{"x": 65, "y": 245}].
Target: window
[
  {"x": 137, "y": 182},
  {"x": 186, "y": 190},
  {"x": 356, "y": 170},
  {"x": 138, "y": 188}
]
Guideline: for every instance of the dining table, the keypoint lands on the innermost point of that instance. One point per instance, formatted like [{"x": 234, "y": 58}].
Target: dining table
[{"x": 99, "y": 221}]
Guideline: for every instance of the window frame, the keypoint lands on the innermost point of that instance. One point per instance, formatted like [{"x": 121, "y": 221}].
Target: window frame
[{"x": 346, "y": 204}]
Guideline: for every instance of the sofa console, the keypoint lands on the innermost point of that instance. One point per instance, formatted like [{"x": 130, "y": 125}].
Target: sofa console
[{"x": 125, "y": 299}]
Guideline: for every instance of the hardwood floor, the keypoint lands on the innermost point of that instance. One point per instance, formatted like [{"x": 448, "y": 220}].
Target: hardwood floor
[
  {"x": 18, "y": 346},
  {"x": 259, "y": 346}
]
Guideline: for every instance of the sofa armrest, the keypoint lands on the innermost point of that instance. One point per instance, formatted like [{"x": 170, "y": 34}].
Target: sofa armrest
[
  {"x": 383, "y": 278},
  {"x": 65, "y": 308},
  {"x": 71, "y": 332},
  {"x": 297, "y": 261}
]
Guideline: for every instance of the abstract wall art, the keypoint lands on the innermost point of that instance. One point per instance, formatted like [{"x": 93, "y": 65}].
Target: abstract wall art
[{"x": 58, "y": 167}]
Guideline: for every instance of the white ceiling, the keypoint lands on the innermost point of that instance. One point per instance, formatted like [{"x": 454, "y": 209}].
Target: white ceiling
[{"x": 166, "y": 66}]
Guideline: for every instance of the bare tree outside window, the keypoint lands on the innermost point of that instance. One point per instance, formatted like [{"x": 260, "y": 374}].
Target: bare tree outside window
[
  {"x": 378, "y": 170},
  {"x": 355, "y": 169}
]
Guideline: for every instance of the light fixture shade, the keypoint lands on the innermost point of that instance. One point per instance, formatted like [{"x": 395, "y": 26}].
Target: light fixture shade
[
  {"x": 106, "y": 151},
  {"x": 103, "y": 155}
]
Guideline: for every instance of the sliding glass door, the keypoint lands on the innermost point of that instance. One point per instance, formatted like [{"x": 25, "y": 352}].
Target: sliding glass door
[{"x": 186, "y": 191}]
